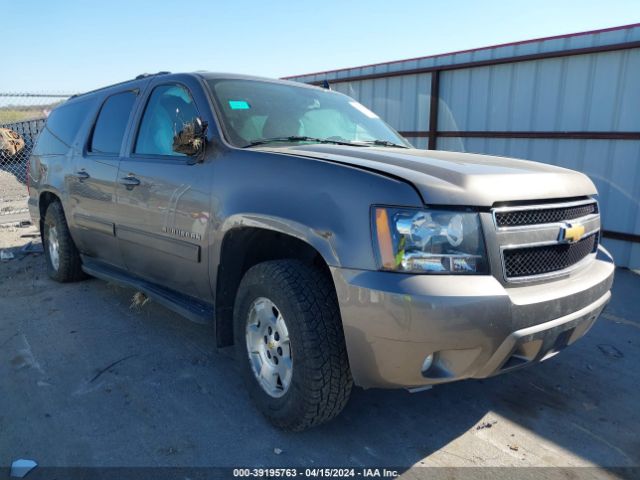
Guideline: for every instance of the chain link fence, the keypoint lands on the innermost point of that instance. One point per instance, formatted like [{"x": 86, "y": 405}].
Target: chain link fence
[{"x": 22, "y": 117}]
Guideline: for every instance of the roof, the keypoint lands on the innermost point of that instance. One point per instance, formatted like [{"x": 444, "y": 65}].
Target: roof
[
  {"x": 204, "y": 74},
  {"x": 238, "y": 76}
]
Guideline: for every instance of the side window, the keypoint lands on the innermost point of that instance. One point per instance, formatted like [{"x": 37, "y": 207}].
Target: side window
[
  {"x": 111, "y": 124},
  {"x": 169, "y": 108},
  {"x": 61, "y": 128}
]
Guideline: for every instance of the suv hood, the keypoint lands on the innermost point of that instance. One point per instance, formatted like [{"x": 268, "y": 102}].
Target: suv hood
[{"x": 452, "y": 178}]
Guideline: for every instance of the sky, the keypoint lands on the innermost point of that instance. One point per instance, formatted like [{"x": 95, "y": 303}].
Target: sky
[{"x": 70, "y": 46}]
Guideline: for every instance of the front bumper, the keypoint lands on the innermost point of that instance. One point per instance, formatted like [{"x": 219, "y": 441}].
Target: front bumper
[{"x": 473, "y": 325}]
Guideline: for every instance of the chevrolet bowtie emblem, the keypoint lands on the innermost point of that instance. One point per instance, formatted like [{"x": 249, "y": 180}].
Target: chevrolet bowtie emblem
[{"x": 571, "y": 232}]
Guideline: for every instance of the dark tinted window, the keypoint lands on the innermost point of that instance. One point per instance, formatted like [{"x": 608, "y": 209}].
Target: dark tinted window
[
  {"x": 111, "y": 124},
  {"x": 169, "y": 108},
  {"x": 61, "y": 128}
]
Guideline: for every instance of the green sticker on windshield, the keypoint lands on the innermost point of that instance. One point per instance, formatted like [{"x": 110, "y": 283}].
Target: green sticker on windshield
[{"x": 239, "y": 105}]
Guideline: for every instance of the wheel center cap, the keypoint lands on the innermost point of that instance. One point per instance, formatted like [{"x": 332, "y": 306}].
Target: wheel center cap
[{"x": 268, "y": 347}]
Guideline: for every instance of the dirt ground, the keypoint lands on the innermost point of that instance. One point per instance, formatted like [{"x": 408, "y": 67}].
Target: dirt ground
[
  {"x": 13, "y": 194},
  {"x": 88, "y": 380}
]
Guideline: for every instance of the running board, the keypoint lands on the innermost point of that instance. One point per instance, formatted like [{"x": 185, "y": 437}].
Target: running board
[{"x": 193, "y": 309}]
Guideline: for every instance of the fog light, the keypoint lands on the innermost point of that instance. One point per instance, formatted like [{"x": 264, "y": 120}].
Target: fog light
[{"x": 428, "y": 361}]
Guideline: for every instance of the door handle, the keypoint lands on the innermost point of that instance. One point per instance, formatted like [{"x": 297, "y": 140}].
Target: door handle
[
  {"x": 82, "y": 175},
  {"x": 129, "y": 181}
]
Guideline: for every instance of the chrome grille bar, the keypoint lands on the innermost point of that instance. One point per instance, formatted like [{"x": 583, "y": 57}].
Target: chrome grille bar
[{"x": 537, "y": 251}]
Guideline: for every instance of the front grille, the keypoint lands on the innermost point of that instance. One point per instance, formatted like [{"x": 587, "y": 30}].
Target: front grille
[
  {"x": 528, "y": 261},
  {"x": 517, "y": 218}
]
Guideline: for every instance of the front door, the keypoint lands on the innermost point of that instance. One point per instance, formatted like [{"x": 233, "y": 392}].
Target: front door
[
  {"x": 92, "y": 184},
  {"x": 163, "y": 198}
]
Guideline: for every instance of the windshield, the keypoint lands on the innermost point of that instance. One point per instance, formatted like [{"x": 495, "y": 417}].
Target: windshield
[{"x": 256, "y": 112}]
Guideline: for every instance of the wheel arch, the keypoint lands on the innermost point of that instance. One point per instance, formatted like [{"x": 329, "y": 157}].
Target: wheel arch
[
  {"x": 247, "y": 242},
  {"x": 46, "y": 198}
]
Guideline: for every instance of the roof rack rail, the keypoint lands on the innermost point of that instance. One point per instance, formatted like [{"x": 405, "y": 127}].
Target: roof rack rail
[
  {"x": 145, "y": 75},
  {"x": 139, "y": 77}
]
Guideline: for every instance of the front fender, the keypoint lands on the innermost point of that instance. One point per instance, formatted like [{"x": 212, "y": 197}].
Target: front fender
[
  {"x": 321, "y": 240},
  {"x": 325, "y": 204}
]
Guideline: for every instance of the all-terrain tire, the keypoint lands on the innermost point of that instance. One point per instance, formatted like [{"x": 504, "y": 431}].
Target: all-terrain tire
[
  {"x": 68, "y": 267},
  {"x": 321, "y": 379}
]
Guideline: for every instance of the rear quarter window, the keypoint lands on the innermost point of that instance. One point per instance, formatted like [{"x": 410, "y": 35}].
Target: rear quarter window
[
  {"x": 111, "y": 124},
  {"x": 62, "y": 128}
]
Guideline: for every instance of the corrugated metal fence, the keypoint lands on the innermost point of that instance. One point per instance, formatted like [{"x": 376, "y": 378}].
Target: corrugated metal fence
[{"x": 572, "y": 101}]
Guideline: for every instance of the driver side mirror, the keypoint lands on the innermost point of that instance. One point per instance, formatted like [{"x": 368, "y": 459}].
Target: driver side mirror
[{"x": 192, "y": 138}]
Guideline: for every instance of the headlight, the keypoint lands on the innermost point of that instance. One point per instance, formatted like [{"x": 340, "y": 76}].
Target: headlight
[{"x": 429, "y": 241}]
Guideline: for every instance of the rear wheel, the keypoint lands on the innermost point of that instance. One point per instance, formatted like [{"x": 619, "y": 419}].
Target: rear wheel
[
  {"x": 290, "y": 345},
  {"x": 63, "y": 259}
]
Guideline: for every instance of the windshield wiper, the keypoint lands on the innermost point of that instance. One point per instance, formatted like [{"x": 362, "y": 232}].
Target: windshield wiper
[
  {"x": 384, "y": 143},
  {"x": 297, "y": 138}
]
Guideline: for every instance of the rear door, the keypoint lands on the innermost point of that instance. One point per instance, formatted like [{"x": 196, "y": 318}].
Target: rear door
[
  {"x": 163, "y": 196},
  {"x": 93, "y": 180}
]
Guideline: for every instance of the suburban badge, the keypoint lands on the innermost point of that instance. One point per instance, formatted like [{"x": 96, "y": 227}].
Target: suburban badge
[{"x": 182, "y": 233}]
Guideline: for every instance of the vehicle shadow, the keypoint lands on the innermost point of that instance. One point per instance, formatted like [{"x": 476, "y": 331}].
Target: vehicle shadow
[
  {"x": 565, "y": 403},
  {"x": 573, "y": 409}
]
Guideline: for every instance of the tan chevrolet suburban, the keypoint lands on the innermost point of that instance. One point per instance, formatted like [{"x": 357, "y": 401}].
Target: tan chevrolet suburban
[{"x": 314, "y": 238}]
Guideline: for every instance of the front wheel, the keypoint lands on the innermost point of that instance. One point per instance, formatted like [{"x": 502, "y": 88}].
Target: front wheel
[{"x": 290, "y": 344}]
